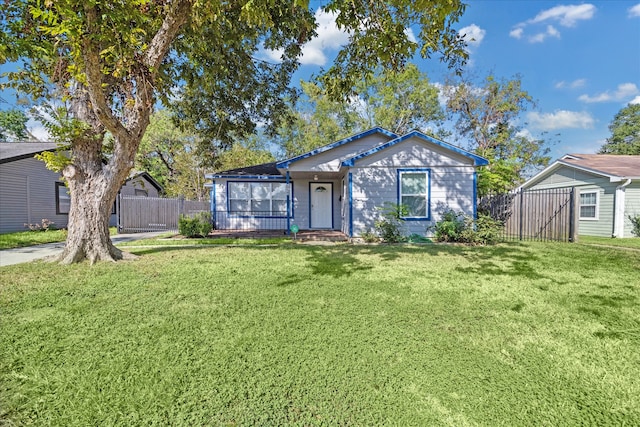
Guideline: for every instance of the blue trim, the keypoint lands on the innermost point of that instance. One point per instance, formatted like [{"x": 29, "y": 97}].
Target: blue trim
[
  {"x": 475, "y": 195},
  {"x": 285, "y": 163},
  {"x": 320, "y": 182},
  {"x": 248, "y": 177},
  {"x": 428, "y": 172},
  {"x": 350, "y": 204},
  {"x": 477, "y": 160},
  {"x": 212, "y": 197},
  {"x": 230, "y": 215}
]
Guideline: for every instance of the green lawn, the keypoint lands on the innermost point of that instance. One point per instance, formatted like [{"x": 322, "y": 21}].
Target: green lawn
[
  {"x": 21, "y": 239},
  {"x": 630, "y": 242},
  {"x": 513, "y": 335}
]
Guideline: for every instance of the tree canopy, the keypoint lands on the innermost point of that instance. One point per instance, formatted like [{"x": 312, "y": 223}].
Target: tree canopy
[
  {"x": 13, "y": 125},
  {"x": 111, "y": 61},
  {"x": 488, "y": 116},
  {"x": 625, "y": 132}
]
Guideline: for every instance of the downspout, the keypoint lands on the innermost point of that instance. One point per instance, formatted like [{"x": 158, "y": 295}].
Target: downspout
[
  {"x": 288, "y": 180},
  {"x": 618, "y": 216}
]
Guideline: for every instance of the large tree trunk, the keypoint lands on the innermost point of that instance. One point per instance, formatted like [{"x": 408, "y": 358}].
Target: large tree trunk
[{"x": 89, "y": 215}]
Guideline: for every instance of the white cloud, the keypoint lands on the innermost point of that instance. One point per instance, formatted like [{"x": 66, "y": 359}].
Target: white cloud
[
  {"x": 571, "y": 85},
  {"x": 540, "y": 37},
  {"x": 566, "y": 16},
  {"x": 634, "y": 12},
  {"x": 561, "y": 119},
  {"x": 472, "y": 34},
  {"x": 329, "y": 38},
  {"x": 635, "y": 100},
  {"x": 624, "y": 91},
  {"x": 516, "y": 33}
]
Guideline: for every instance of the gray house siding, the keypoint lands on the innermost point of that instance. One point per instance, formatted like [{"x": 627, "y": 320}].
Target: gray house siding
[
  {"x": 139, "y": 183},
  {"x": 632, "y": 206},
  {"x": 27, "y": 195},
  {"x": 375, "y": 181}
]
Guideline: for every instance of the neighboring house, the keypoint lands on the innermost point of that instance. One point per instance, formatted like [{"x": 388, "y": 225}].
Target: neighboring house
[
  {"x": 29, "y": 192},
  {"x": 609, "y": 190},
  {"x": 343, "y": 185}
]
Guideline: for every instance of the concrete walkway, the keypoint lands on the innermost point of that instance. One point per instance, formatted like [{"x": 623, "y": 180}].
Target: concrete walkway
[{"x": 31, "y": 253}]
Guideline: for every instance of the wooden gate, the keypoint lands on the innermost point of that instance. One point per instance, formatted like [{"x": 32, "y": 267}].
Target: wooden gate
[
  {"x": 140, "y": 214},
  {"x": 543, "y": 215}
]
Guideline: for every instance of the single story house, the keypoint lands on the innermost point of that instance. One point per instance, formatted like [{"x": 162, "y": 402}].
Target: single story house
[
  {"x": 343, "y": 185},
  {"x": 29, "y": 192},
  {"x": 609, "y": 189}
]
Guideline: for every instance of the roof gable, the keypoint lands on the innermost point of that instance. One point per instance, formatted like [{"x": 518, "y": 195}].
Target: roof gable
[
  {"x": 12, "y": 151},
  {"x": 477, "y": 160},
  {"x": 285, "y": 163},
  {"x": 612, "y": 166},
  {"x": 262, "y": 171}
]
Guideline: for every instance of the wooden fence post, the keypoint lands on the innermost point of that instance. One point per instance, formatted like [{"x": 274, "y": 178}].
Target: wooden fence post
[{"x": 574, "y": 215}]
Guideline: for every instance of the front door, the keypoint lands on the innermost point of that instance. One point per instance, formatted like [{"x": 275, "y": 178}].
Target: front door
[{"x": 321, "y": 201}]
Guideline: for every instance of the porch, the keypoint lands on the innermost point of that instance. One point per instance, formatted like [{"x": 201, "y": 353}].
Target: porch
[{"x": 302, "y": 235}]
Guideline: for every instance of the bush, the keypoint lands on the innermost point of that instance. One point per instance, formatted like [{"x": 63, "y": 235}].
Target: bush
[
  {"x": 450, "y": 227},
  {"x": 369, "y": 237},
  {"x": 635, "y": 223},
  {"x": 456, "y": 227},
  {"x": 44, "y": 225},
  {"x": 198, "y": 225},
  {"x": 389, "y": 228}
]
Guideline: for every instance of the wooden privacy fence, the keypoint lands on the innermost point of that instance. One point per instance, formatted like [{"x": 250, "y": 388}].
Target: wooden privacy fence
[
  {"x": 542, "y": 215},
  {"x": 140, "y": 214}
]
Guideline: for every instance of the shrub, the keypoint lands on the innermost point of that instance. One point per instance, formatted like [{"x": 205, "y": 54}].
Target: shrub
[
  {"x": 198, "y": 225},
  {"x": 44, "y": 225},
  {"x": 456, "y": 227},
  {"x": 450, "y": 227},
  {"x": 389, "y": 228},
  {"x": 369, "y": 237},
  {"x": 635, "y": 224}
]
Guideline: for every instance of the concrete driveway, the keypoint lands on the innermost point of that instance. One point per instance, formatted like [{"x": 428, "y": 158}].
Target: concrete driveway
[{"x": 31, "y": 253}]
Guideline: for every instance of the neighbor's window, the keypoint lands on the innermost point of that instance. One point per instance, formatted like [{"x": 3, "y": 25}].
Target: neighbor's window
[
  {"x": 589, "y": 205},
  {"x": 414, "y": 193},
  {"x": 258, "y": 198},
  {"x": 141, "y": 193},
  {"x": 63, "y": 198}
]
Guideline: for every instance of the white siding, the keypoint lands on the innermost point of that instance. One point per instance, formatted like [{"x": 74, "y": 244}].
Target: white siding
[
  {"x": 330, "y": 160},
  {"x": 27, "y": 195},
  {"x": 375, "y": 181}
]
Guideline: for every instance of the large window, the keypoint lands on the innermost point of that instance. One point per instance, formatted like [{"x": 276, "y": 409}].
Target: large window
[
  {"x": 589, "y": 205},
  {"x": 257, "y": 198},
  {"x": 414, "y": 193},
  {"x": 63, "y": 198}
]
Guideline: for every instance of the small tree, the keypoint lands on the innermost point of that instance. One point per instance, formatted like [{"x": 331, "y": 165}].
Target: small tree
[{"x": 625, "y": 132}]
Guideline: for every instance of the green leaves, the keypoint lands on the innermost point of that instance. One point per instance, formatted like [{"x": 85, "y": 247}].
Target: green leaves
[{"x": 625, "y": 132}]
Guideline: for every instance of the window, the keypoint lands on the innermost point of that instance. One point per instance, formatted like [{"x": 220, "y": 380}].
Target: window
[
  {"x": 141, "y": 193},
  {"x": 63, "y": 198},
  {"x": 589, "y": 205},
  {"x": 257, "y": 198},
  {"x": 414, "y": 193}
]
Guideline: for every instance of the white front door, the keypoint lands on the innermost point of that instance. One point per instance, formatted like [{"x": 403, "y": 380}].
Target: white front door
[{"x": 321, "y": 200}]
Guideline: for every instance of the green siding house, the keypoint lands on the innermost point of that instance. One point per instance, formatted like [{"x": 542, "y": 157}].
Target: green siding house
[{"x": 609, "y": 190}]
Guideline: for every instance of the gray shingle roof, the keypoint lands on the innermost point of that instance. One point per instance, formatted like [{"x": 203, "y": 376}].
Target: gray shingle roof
[
  {"x": 606, "y": 164},
  {"x": 10, "y": 151}
]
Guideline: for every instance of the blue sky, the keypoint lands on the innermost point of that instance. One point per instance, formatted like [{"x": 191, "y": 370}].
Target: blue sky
[{"x": 579, "y": 61}]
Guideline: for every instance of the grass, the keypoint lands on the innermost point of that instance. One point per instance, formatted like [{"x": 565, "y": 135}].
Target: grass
[
  {"x": 531, "y": 334},
  {"x": 210, "y": 241},
  {"x": 22, "y": 239},
  {"x": 630, "y": 242}
]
